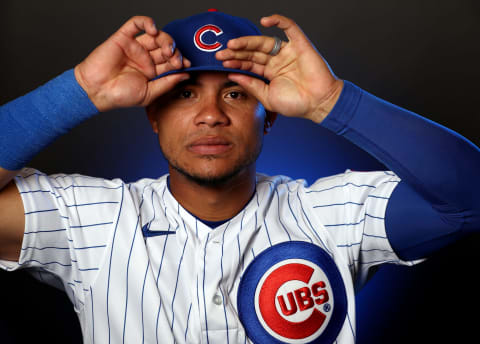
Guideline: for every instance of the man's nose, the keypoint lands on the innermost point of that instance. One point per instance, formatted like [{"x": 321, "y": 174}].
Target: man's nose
[{"x": 211, "y": 114}]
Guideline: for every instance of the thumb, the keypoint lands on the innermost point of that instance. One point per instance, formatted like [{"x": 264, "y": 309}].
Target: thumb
[
  {"x": 160, "y": 86},
  {"x": 254, "y": 86}
]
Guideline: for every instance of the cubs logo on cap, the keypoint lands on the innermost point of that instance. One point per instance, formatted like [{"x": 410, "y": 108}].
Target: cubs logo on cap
[
  {"x": 198, "y": 38},
  {"x": 201, "y": 44},
  {"x": 292, "y": 293}
]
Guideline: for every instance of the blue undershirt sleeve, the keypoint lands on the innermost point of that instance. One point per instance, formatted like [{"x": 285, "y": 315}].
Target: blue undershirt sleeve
[
  {"x": 31, "y": 122},
  {"x": 435, "y": 203}
]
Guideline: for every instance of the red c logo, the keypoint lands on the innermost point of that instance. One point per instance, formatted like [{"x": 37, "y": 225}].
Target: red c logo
[
  {"x": 299, "y": 300},
  {"x": 198, "y": 38}
]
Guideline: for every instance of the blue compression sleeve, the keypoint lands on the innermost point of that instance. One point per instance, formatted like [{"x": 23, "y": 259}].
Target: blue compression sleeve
[
  {"x": 30, "y": 123},
  {"x": 435, "y": 203}
]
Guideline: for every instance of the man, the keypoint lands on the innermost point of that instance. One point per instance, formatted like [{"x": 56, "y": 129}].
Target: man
[{"x": 215, "y": 252}]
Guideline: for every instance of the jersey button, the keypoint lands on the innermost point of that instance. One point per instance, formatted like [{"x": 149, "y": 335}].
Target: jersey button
[{"x": 217, "y": 299}]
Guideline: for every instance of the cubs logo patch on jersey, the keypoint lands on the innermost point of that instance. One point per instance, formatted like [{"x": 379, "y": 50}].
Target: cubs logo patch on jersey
[{"x": 292, "y": 293}]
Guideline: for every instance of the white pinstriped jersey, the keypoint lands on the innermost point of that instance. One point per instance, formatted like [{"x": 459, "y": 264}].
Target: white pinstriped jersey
[{"x": 139, "y": 268}]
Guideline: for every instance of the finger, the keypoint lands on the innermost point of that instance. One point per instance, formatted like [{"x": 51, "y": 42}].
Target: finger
[
  {"x": 254, "y": 56},
  {"x": 147, "y": 41},
  {"x": 167, "y": 43},
  {"x": 163, "y": 40},
  {"x": 186, "y": 63},
  {"x": 262, "y": 44},
  {"x": 160, "y": 86},
  {"x": 157, "y": 56},
  {"x": 291, "y": 29},
  {"x": 172, "y": 64},
  {"x": 245, "y": 65},
  {"x": 252, "y": 85},
  {"x": 139, "y": 59},
  {"x": 138, "y": 24}
]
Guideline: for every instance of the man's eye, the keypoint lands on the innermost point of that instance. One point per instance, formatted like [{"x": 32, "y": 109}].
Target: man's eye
[
  {"x": 185, "y": 94},
  {"x": 234, "y": 94}
]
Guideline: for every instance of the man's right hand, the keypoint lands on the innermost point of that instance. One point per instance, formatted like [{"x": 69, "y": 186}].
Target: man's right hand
[{"x": 119, "y": 72}]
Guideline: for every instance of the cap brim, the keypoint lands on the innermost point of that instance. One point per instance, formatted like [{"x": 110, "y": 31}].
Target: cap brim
[{"x": 213, "y": 69}]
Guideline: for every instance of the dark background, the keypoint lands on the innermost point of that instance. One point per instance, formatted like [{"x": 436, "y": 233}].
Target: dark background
[{"x": 421, "y": 55}]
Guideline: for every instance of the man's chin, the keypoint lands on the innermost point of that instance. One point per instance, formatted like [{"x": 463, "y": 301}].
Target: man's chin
[{"x": 209, "y": 179}]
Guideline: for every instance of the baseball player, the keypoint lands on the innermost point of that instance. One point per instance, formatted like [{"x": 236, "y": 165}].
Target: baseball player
[{"x": 215, "y": 252}]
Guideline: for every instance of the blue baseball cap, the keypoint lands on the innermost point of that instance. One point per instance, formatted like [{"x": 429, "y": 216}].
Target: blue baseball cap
[{"x": 200, "y": 36}]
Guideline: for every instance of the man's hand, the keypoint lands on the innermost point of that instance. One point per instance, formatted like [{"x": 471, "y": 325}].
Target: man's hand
[
  {"x": 118, "y": 73},
  {"x": 301, "y": 82}
]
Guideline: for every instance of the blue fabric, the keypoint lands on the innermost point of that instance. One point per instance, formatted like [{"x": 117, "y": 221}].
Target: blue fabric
[
  {"x": 29, "y": 123},
  {"x": 200, "y": 36},
  {"x": 440, "y": 167}
]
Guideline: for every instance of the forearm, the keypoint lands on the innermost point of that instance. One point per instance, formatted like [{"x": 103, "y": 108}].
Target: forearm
[
  {"x": 30, "y": 123},
  {"x": 434, "y": 160},
  {"x": 439, "y": 165}
]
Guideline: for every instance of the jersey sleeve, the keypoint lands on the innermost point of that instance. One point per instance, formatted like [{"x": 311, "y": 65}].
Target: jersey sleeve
[
  {"x": 68, "y": 224},
  {"x": 352, "y": 207}
]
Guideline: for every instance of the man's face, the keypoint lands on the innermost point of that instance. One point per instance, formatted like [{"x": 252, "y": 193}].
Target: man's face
[{"x": 209, "y": 128}]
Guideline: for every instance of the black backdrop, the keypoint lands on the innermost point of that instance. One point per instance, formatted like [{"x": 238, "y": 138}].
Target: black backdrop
[{"x": 421, "y": 55}]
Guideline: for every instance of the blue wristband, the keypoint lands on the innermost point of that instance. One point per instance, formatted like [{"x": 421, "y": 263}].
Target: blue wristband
[{"x": 30, "y": 123}]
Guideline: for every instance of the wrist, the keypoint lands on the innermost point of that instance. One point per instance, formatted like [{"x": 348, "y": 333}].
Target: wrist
[
  {"x": 325, "y": 106},
  {"x": 85, "y": 87}
]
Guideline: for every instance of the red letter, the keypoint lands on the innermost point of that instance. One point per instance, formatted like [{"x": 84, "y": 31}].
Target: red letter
[
  {"x": 321, "y": 294},
  {"x": 303, "y": 298},
  {"x": 283, "y": 306}
]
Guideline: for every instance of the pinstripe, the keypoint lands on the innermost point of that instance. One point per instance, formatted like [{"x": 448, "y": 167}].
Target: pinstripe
[
  {"x": 110, "y": 266},
  {"x": 341, "y": 186},
  {"x": 375, "y": 217},
  {"x": 93, "y": 316},
  {"x": 345, "y": 224},
  {"x": 334, "y": 204},
  {"x": 39, "y": 262},
  {"x": 40, "y": 211},
  {"x": 221, "y": 278},
  {"x": 198, "y": 297},
  {"x": 351, "y": 328},
  {"x": 188, "y": 318},
  {"x": 225, "y": 312},
  {"x": 128, "y": 267},
  {"x": 279, "y": 219},
  {"x": 92, "y": 225},
  {"x": 86, "y": 204},
  {"x": 44, "y": 248},
  {"x": 296, "y": 221},
  {"x": 46, "y": 231},
  {"x": 204, "y": 273},
  {"x": 311, "y": 227},
  {"x": 178, "y": 275},
  {"x": 158, "y": 276},
  {"x": 89, "y": 186},
  {"x": 266, "y": 229}
]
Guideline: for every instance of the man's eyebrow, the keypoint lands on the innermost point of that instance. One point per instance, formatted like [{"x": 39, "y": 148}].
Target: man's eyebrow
[
  {"x": 229, "y": 84},
  {"x": 188, "y": 82}
]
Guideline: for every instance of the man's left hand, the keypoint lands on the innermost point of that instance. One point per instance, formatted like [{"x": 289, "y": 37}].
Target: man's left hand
[{"x": 301, "y": 82}]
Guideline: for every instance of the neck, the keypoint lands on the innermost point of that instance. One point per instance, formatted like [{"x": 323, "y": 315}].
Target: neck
[{"x": 214, "y": 202}]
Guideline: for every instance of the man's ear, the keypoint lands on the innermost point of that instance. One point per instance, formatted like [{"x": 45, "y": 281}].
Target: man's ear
[
  {"x": 270, "y": 118},
  {"x": 151, "y": 111}
]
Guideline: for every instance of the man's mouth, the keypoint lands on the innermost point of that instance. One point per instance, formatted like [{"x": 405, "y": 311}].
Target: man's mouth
[{"x": 211, "y": 145}]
